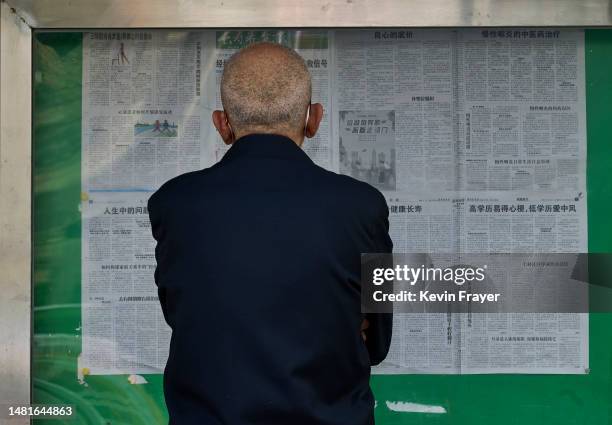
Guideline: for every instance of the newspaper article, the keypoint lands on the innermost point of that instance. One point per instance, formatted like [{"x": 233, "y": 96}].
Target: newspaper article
[
  {"x": 314, "y": 47},
  {"x": 123, "y": 326},
  {"x": 520, "y": 109},
  {"x": 477, "y": 139},
  {"x": 488, "y": 222},
  {"x": 142, "y": 115}
]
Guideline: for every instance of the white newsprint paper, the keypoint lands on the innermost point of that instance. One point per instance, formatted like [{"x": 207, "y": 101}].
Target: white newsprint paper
[
  {"x": 476, "y": 137},
  {"x": 122, "y": 322},
  {"x": 142, "y": 108},
  {"x": 488, "y": 222},
  {"x": 469, "y": 109}
]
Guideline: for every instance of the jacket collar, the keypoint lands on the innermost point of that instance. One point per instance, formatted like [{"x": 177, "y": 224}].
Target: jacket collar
[{"x": 266, "y": 145}]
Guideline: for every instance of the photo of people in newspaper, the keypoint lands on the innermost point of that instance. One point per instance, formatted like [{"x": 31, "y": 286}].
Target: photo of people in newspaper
[{"x": 367, "y": 147}]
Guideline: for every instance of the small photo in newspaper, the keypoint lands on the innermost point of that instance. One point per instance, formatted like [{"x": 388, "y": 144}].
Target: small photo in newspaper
[{"x": 367, "y": 147}]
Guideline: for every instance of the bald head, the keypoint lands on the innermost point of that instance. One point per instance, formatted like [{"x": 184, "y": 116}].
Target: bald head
[{"x": 266, "y": 88}]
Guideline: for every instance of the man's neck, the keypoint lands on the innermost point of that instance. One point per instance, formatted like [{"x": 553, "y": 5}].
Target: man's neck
[{"x": 298, "y": 139}]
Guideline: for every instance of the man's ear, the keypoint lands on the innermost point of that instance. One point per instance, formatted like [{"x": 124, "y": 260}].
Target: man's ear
[
  {"x": 314, "y": 119},
  {"x": 221, "y": 123}
]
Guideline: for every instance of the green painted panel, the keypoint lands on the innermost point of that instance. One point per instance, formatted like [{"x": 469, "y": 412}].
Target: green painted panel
[
  {"x": 468, "y": 399},
  {"x": 57, "y": 251}
]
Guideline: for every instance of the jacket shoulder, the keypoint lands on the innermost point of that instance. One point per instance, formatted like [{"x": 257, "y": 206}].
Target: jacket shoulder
[
  {"x": 360, "y": 195},
  {"x": 176, "y": 185}
]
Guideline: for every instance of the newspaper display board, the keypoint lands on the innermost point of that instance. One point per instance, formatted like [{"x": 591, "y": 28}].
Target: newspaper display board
[{"x": 477, "y": 138}]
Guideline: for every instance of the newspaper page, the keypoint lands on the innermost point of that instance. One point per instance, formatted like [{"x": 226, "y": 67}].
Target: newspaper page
[
  {"x": 404, "y": 78},
  {"x": 141, "y": 114},
  {"x": 315, "y": 47},
  {"x": 141, "y": 126},
  {"x": 123, "y": 326},
  {"x": 524, "y": 342},
  {"x": 488, "y": 222},
  {"x": 471, "y": 109}
]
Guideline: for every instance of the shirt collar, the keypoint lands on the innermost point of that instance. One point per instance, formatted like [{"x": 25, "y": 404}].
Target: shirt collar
[{"x": 266, "y": 145}]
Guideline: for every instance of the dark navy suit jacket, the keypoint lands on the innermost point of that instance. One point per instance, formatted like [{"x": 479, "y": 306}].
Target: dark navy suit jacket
[{"x": 258, "y": 274}]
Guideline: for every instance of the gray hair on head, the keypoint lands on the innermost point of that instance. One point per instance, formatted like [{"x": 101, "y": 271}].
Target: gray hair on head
[{"x": 266, "y": 87}]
